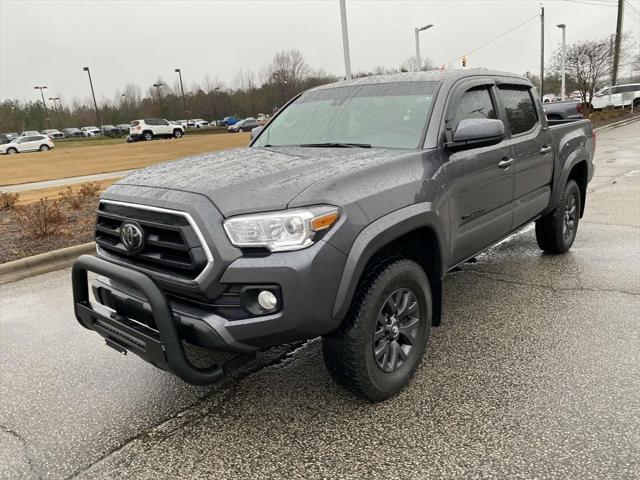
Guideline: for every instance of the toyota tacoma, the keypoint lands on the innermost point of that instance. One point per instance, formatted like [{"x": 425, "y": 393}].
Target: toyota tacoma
[{"x": 340, "y": 220}]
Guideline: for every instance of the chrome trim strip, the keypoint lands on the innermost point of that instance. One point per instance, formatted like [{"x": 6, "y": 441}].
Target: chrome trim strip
[{"x": 191, "y": 221}]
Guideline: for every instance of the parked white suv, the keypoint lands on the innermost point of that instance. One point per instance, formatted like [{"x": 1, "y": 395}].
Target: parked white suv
[
  {"x": 29, "y": 143},
  {"x": 150, "y": 128},
  {"x": 197, "y": 123},
  {"x": 91, "y": 131},
  {"x": 621, "y": 96}
]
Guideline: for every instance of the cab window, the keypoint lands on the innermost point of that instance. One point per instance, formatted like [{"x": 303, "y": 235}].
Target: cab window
[
  {"x": 521, "y": 111},
  {"x": 474, "y": 103}
]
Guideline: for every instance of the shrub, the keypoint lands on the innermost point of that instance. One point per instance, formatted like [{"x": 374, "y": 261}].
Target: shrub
[
  {"x": 41, "y": 219},
  {"x": 8, "y": 200},
  {"x": 70, "y": 197},
  {"x": 91, "y": 190}
]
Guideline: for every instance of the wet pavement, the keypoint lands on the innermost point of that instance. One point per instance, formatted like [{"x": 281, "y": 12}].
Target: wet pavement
[{"x": 535, "y": 373}]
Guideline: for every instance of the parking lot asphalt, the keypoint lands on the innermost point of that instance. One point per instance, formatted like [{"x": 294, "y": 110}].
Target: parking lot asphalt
[{"x": 535, "y": 373}]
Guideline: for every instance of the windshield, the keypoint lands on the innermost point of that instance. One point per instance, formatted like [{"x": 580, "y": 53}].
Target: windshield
[{"x": 389, "y": 115}]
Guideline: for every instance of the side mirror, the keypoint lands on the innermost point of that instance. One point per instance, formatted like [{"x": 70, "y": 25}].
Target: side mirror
[{"x": 477, "y": 132}]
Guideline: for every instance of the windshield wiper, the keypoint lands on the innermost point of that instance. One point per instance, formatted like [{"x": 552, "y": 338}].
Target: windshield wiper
[{"x": 336, "y": 145}]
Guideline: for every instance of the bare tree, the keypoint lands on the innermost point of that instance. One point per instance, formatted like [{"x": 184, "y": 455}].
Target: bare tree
[
  {"x": 589, "y": 62},
  {"x": 410, "y": 64},
  {"x": 287, "y": 71}
]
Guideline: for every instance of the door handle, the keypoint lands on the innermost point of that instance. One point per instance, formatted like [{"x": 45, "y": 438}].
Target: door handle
[
  {"x": 546, "y": 149},
  {"x": 505, "y": 163}
]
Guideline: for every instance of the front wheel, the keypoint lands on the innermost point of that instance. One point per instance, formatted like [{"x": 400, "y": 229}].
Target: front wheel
[
  {"x": 556, "y": 231},
  {"x": 382, "y": 340},
  {"x": 12, "y": 151},
  {"x": 177, "y": 133}
]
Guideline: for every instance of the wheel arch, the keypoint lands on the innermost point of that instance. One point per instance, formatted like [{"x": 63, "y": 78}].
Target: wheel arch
[
  {"x": 580, "y": 173},
  {"x": 415, "y": 232}
]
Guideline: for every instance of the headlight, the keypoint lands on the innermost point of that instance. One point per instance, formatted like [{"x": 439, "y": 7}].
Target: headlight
[{"x": 281, "y": 231}]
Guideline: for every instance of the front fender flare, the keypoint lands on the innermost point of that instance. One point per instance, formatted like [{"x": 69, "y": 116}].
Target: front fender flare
[{"x": 378, "y": 234}]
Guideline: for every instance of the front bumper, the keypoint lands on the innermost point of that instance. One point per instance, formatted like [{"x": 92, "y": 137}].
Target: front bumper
[
  {"x": 134, "y": 314},
  {"x": 163, "y": 349}
]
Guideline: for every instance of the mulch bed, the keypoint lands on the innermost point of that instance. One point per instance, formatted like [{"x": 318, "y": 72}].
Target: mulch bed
[{"x": 77, "y": 229}]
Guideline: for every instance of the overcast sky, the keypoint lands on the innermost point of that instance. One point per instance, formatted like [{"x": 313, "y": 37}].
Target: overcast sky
[{"x": 48, "y": 42}]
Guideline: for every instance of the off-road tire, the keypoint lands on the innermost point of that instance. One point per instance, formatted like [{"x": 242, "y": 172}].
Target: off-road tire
[
  {"x": 551, "y": 234},
  {"x": 348, "y": 352}
]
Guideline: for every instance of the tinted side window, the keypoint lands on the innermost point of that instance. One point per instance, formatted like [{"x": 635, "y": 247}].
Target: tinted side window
[
  {"x": 475, "y": 103},
  {"x": 521, "y": 111}
]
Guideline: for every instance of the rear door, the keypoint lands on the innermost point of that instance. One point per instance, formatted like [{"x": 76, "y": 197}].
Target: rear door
[
  {"x": 533, "y": 152},
  {"x": 480, "y": 186}
]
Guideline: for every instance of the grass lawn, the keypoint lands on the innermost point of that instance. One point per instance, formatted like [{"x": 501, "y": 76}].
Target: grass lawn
[{"x": 72, "y": 158}]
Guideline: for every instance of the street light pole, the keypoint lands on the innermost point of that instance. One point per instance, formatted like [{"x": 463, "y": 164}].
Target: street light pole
[
  {"x": 158, "y": 85},
  {"x": 345, "y": 40},
  {"x": 563, "y": 92},
  {"x": 55, "y": 106},
  {"x": 418, "y": 58},
  {"x": 541, "y": 52},
  {"x": 46, "y": 111},
  {"x": 184, "y": 101},
  {"x": 93, "y": 94}
]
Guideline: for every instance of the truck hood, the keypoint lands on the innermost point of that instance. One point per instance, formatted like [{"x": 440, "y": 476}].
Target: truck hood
[{"x": 256, "y": 179}]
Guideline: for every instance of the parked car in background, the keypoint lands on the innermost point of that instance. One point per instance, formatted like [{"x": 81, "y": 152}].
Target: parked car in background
[
  {"x": 150, "y": 128},
  {"x": 245, "y": 125},
  {"x": 184, "y": 123},
  {"x": 110, "y": 130},
  {"x": 566, "y": 110},
  {"x": 124, "y": 128},
  {"x": 90, "y": 131},
  {"x": 198, "y": 123},
  {"x": 8, "y": 136},
  {"x": 256, "y": 131},
  {"x": 27, "y": 133},
  {"x": 230, "y": 120},
  {"x": 27, "y": 143},
  {"x": 617, "y": 96},
  {"x": 72, "y": 132},
  {"x": 52, "y": 133},
  {"x": 549, "y": 97}
]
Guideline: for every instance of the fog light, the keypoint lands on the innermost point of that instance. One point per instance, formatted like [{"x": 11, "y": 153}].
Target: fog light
[{"x": 267, "y": 300}]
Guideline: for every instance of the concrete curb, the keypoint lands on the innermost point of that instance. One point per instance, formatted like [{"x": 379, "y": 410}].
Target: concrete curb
[
  {"x": 43, "y": 263},
  {"x": 617, "y": 124}
]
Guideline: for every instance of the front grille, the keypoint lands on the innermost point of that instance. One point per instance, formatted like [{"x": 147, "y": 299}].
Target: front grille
[{"x": 171, "y": 246}]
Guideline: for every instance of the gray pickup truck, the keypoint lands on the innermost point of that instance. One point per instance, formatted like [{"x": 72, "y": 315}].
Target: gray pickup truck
[{"x": 340, "y": 220}]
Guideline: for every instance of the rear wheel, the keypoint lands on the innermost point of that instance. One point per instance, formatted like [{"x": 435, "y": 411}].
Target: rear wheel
[
  {"x": 147, "y": 136},
  {"x": 382, "y": 340},
  {"x": 556, "y": 231},
  {"x": 44, "y": 148}
]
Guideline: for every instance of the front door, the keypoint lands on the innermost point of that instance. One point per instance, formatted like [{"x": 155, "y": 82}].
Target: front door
[{"x": 480, "y": 180}]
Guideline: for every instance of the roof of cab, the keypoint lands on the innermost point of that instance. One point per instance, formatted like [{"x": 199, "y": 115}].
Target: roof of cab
[{"x": 429, "y": 76}]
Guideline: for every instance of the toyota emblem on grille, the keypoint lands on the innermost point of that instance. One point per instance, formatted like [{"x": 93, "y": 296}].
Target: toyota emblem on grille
[{"x": 132, "y": 237}]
